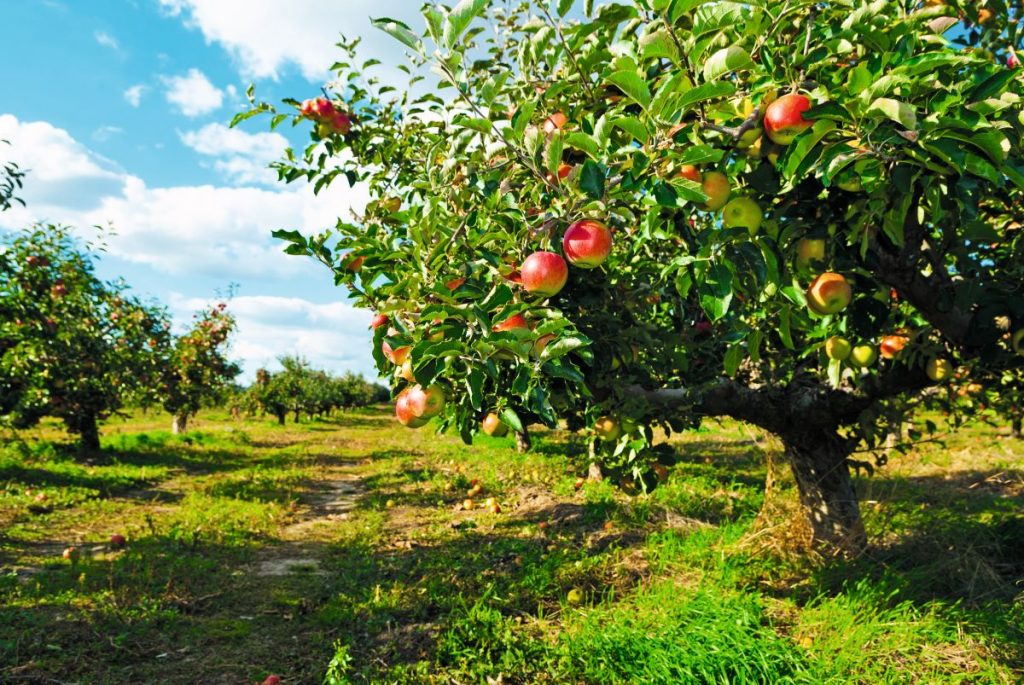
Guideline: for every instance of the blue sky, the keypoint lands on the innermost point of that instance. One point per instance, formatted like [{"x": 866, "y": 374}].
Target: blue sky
[{"x": 119, "y": 115}]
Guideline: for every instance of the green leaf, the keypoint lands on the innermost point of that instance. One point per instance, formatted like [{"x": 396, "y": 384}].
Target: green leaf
[
  {"x": 703, "y": 92},
  {"x": 835, "y": 372},
  {"x": 733, "y": 358},
  {"x": 510, "y": 418},
  {"x": 399, "y": 31},
  {"x": 658, "y": 44},
  {"x": 900, "y": 112},
  {"x": 726, "y": 60},
  {"x": 563, "y": 346},
  {"x": 633, "y": 127},
  {"x": 716, "y": 291},
  {"x": 435, "y": 22},
  {"x": 564, "y": 6},
  {"x": 581, "y": 141},
  {"x": 785, "y": 332},
  {"x": 592, "y": 180},
  {"x": 459, "y": 18},
  {"x": 792, "y": 162},
  {"x": 633, "y": 86}
]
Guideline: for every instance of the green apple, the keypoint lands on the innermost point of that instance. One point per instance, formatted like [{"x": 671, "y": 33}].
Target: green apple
[
  {"x": 863, "y": 356},
  {"x": 742, "y": 212},
  {"x": 808, "y": 251},
  {"x": 939, "y": 369},
  {"x": 838, "y": 347},
  {"x": 1018, "y": 342}
]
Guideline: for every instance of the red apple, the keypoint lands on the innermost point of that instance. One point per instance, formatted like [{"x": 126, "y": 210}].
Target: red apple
[
  {"x": 538, "y": 347},
  {"x": 117, "y": 541},
  {"x": 322, "y": 108},
  {"x": 405, "y": 414},
  {"x": 454, "y": 283},
  {"x": 396, "y": 356},
  {"x": 892, "y": 345},
  {"x": 587, "y": 243},
  {"x": 272, "y": 680},
  {"x": 829, "y": 293},
  {"x": 555, "y": 122},
  {"x": 690, "y": 173},
  {"x": 563, "y": 172},
  {"x": 378, "y": 321},
  {"x": 340, "y": 122},
  {"x": 426, "y": 403},
  {"x": 493, "y": 426},
  {"x": 516, "y": 321},
  {"x": 308, "y": 108},
  {"x": 544, "y": 273},
  {"x": 717, "y": 187},
  {"x": 354, "y": 263},
  {"x": 784, "y": 118}
]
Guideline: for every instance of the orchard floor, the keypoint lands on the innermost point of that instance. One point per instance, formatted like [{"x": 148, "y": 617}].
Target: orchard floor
[{"x": 337, "y": 551}]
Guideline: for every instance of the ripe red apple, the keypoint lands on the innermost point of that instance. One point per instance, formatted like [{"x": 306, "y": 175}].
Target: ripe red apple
[
  {"x": 808, "y": 251},
  {"x": 863, "y": 356},
  {"x": 555, "y": 122},
  {"x": 378, "y": 321},
  {"x": 1012, "y": 61},
  {"x": 454, "y": 283},
  {"x": 405, "y": 370},
  {"x": 493, "y": 426},
  {"x": 340, "y": 122},
  {"x": 784, "y": 118},
  {"x": 272, "y": 680},
  {"x": 563, "y": 172},
  {"x": 607, "y": 428},
  {"x": 829, "y": 293},
  {"x": 544, "y": 273},
  {"x": 405, "y": 414},
  {"x": 395, "y": 356},
  {"x": 354, "y": 263},
  {"x": 939, "y": 369},
  {"x": 516, "y": 321},
  {"x": 307, "y": 109},
  {"x": 838, "y": 347},
  {"x": 892, "y": 345},
  {"x": 59, "y": 289},
  {"x": 322, "y": 107},
  {"x": 690, "y": 173},
  {"x": 117, "y": 541},
  {"x": 742, "y": 212},
  {"x": 587, "y": 243},
  {"x": 426, "y": 403},
  {"x": 717, "y": 187}
]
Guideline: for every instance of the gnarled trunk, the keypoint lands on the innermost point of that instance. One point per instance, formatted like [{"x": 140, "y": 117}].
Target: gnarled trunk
[
  {"x": 179, "y": 424},
  {"x": 523, "y": 442},
  {"x": 818, "y": 459}
]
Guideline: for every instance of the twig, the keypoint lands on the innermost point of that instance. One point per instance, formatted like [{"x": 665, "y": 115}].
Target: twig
[
  {"x": 568, "y": 51},
  {"x": 737, "y": 132}
]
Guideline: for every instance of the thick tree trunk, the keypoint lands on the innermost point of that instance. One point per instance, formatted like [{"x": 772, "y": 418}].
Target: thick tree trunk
[
  {"x": 179, "y": 424},
  {"x": 523, "y": 442},
  {"x": 280, "y": 417},
  {"x": 1015, "y": 428},
  {"x": 296, "y": 416},
  {"x": 818, "y": 460},
  {"x": 87, "y": 428}
]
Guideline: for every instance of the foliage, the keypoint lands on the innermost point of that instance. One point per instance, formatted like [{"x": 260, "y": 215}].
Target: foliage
[
  {"x": 11, "y": 179},
  {"x": 299, "y": 389},
  {"x": 71, "y": 346},
  {"x": 910, "y": 169},
  {"x": 198, "y": 370}
]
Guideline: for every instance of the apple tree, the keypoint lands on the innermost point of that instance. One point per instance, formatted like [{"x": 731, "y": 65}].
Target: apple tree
[
  {"x": 621, "y": 215},
  {"x": 71, "y": 346},
  {"x": 198, "y": 370}
]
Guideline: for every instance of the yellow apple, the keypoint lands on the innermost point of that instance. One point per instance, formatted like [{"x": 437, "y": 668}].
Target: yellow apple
[
  {"x": 838, "y": 347},
  {"x": 863, "y": 356},
  {"x": 742, "y": 212}
]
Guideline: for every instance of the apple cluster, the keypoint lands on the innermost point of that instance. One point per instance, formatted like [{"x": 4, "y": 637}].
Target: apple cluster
[{"x": 330, "y": 120}]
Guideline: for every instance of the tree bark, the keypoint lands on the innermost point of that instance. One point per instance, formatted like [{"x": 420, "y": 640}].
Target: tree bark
[
  {"x": 179, "y": 424},
  {"x": 523, "y": 442},
  {"x": 818, "y": 459},
  {"x": 296, "y": 416},
  {"x": 280, "y": 417},
  {"x": 1015, "y": 427},
  {"x": 87, "y": 428}
]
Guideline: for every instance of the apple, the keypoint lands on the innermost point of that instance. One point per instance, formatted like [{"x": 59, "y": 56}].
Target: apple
[
  {"x": 322, "y": 107},
  {"x": 563, "y": 172},
  {"x": 454, "y": 283},
  {"x": 575, "y": 596},
  {"x": 544, "y": 273},
  {"x": 829, "y": 293},
  {"x": 717, "y": 187},
  {"x": 396, "y": 356},
  {"x": 555, "y": 122},
  {"x": 391, "y": 204},
  {"x": 690, "y": 173},
  {"x": 59, "y": 289},
  {"x": 749, "y": 137},
  {"x": 1011, "y": 61},
  {"x": 742, "y": 212},
  {"x": 71, "y": 554},
  {"x": 514, "y": 322},
  {"x": 354, "y": 263},
  {"x": 378, "y": 321},
  {"x": 405, "y": 414},
  {"x": 118, "y": 541},
  {"x": 809, "y": 250},
  {"x": 1017, "y": 341},
  {"x": 426, "y": 403},
  {"x": 587, "y": 243},
  {"x": 272, "y": 680},
  {"x": 307, "y": 107},
  {"x": 405, "y": 371},
  {"x": 838, "y": 347},
  {"x": 493, "y": 426},
  {"x": 892, "y": 345},
  {"x": 538, "y": 347},
  {"x": 984, "y": 16},
  {"x": 339, "y": 122},
  {"x": 863, "y": 356},
  {"x": 467, "y": 504},
  {"x": 608, "y": 428},
  {"x": 939, "y": 369},
  {"x": 784, "y": 118}
]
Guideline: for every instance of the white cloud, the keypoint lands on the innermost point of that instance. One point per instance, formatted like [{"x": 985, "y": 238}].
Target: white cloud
[
  {"x": 265, "y": 37},
  {"x": 107, "y": 40},
  {"x": 133, "y": 96},
  {"x": 241, "y": 157},
  {"x": 222, "y": 233},
  {"x": 193, "y": 93},
  {"x": 333, "y": 335},
  {"x": 105, "y": 133}
]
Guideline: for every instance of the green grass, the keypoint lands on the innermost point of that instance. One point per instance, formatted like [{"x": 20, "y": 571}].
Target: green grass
[{"x": 239, "y": 565}]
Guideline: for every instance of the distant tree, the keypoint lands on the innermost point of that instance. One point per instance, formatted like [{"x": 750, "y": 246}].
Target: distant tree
[
  {"x": 300, "y": 389},
  {"x": 71, "y": 346},
  {"x": 197, "y": 370}
]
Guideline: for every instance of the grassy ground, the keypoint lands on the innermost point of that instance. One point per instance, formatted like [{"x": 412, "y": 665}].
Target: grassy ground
[{"x": 338, "y": 551}]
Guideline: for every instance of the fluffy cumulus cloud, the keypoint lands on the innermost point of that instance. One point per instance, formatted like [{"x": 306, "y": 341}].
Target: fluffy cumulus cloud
[
  {"x": 107, "y": 40},
  {"x": 222, "y": 233},
  {"x": 265, "y": 37},
  {"x": 332, "y": 335},
  {"x": 193, "y": 94},
  {"x": 241, "y": 157},
  {"x": 133, "y": 96}
]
